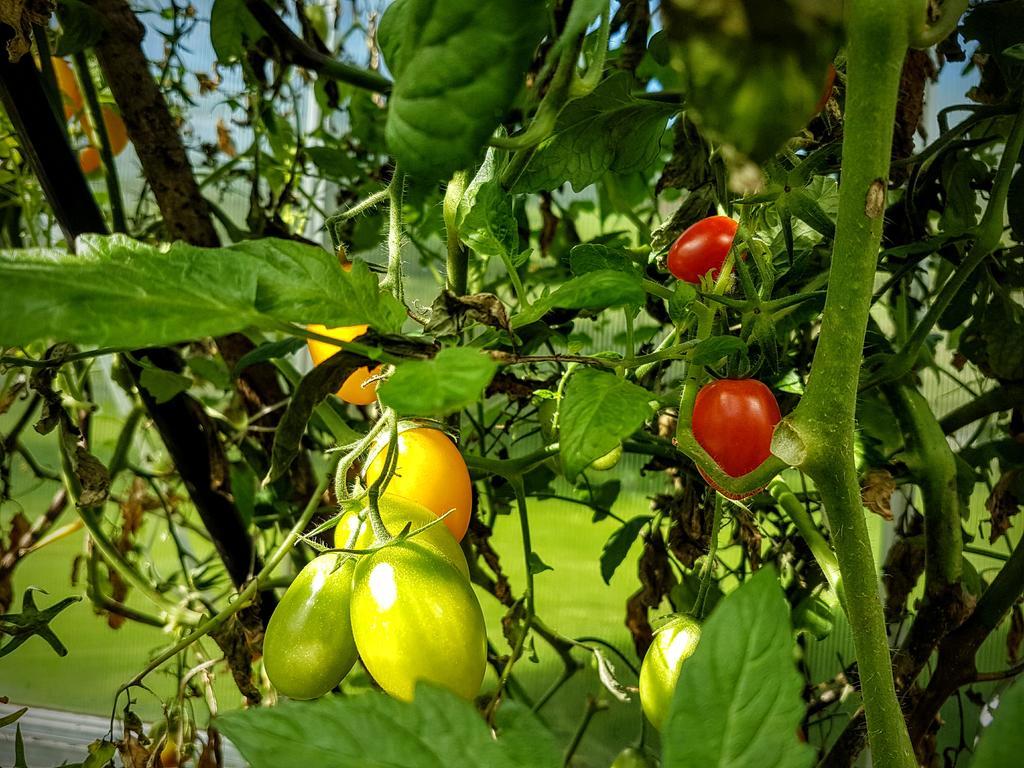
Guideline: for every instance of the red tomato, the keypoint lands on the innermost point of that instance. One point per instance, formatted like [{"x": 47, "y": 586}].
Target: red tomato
[
  {"x": 826, "y": 93},
  {"x": 733, "y": 420},
  {"x": 702, "y": 248}
]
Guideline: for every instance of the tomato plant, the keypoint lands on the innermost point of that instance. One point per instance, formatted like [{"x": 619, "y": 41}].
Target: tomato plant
[
  {"x": 415, "y": 618},
  {"x": 461, "y": 213}
]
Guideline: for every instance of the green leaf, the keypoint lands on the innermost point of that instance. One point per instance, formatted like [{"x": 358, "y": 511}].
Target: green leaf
[
  {"x": 272, "y": 350},
  {"x": 595, "y": 290},
  {"x": 453, "y": 380},
  {"x": 682, "y": 297},
  {"x": 101, "y": 752},
  {"x": 590, "y": 257},
  {"x": 81, "y": 27},
  {"x": 312, "y": 389},
  {"x": 607, "y": 130},
  {"x": 753, "y": 72},
  {"x": 31, "y": 621},
  {"x": 122, "y": 293},
  {"x": 162, "y": 384},
  {"x": 232, "y": 30},
  {"x": 13, "y": 717},
  {"x": 737, "y": 702},
  {"x": 458, "y": 65},
  {"x": 715, "y": 348},
  {"x": 376, "y": 731},
  {"x": 806, "y": 208},
  {"x": 599, "y": 411},
  {"x": 618, "y": 545},
  {"x": 1002, "y": 742},
  {"x": 391, "y": 33},
  {"x": 333, "y": 162},
  {"x": 537, "y": 565},
  {"x": 485, "y": 219}
]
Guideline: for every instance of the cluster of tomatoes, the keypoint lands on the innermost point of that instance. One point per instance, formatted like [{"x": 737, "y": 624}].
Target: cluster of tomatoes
[
  {"x": 74, "y": 109},
  {"x": 406, "y": 609},
  {"x": 733, "y": 420}
]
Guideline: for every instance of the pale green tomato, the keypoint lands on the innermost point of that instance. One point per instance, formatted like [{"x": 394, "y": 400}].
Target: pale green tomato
[
  {"x": 673, "y": 644},
  {"x": 396, "y": 513},
  {"x": 415, "y": 617}
]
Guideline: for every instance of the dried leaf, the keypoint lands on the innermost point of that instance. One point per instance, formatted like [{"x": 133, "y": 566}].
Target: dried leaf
[
  {"x": 224, "y": 140},
  {"x": 1003, "y": 503},
  {"x": 876, "y": 492},
  {"x": 21, "y": 15}
]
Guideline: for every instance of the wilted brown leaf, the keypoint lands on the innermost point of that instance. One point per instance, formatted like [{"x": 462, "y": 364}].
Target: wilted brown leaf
[
  {"x": 876, "y": 492},
  {"x": 1003, "y": 503}
]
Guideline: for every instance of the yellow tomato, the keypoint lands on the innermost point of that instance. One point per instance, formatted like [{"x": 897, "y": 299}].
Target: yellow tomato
[
  {"x": 430, "y": 471},
  {"x": 352, "y": 389},
  {"x": 396, "y": 513}
]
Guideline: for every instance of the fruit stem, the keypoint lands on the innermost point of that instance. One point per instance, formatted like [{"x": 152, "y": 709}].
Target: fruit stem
[{"x": 709, "y": 563}]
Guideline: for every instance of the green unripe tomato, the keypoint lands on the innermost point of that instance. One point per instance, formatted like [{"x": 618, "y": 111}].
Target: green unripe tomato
[
  {"x": 607, "y": 461},
  {"x": 308, "y": 647},
  {"x": 673, "y": 644},
  {"x": 396, "y": 513},
  {"x": 632, "y": 758},
  {"x": 415, "y": 617}
]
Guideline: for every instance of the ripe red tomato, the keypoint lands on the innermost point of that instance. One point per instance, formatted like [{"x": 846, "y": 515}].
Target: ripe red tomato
[
  {"x": 702, "y": 248},
  {"x": 826, "y": 92},
  {"x": 733, "y": 420},
  {"x": 415, "y": 617}
]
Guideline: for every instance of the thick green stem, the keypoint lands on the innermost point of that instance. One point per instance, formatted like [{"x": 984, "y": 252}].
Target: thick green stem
[
  {"x": 818, "y": 435},
  {"x": 807, "y": 529},
  {"x": 933, "y": 466}
]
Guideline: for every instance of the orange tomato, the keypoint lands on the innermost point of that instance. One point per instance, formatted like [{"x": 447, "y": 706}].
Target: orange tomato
[
  {"x": 89, "y": 160},
  {"x": 430, "y": 471},
  {"x": 68, "y": 86},
  {"x": 116, "y": 131},
  {"x": 352, "y": 389}
]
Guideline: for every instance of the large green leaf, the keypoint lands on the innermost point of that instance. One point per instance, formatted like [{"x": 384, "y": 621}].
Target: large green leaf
[
  {"x": 458, "y": 65},
  {"x": 607, "y": 130},
  {"x": 600, "y": 410},
  {"x": 374, "y": 731},
  {"x": 1002, "y": 743},
  {"x": 753, "y": 72},
  {"x": 119, "y": 292},
  {"x": 599, "y": 289},
  {"x": 737, "y": 703},
  {"x": 456, "y": 378}
]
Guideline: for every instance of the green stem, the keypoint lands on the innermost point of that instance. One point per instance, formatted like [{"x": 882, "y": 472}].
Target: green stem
[
  {"x": 709, "y": 564},
  {"x": 393, "y": 279},
  {"x": 818, "y": 435},
  {"x": 808, "y": 530},
  {"x": 246, "y": 596},
  {"x": 933, "y": 466},
  {"x": 92, "y": 102},
  {"x": 458, "y": 257}
]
